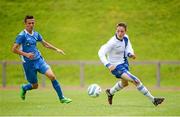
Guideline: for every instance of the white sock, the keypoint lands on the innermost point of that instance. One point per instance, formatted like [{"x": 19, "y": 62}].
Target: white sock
[
  {"x": 118, "y": 86},
  {"x": 145, "y": 92}
]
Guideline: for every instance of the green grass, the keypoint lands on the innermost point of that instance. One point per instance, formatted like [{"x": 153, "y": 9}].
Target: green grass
[
  {"x": 81, "y": 27},
  {"x": 127, "y": 102}
]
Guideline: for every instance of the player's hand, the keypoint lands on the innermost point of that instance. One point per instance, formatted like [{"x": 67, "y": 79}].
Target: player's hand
[
  {"x": 60, "y": 51},
  {"x": 30, "y": 55},
  {"x": 133, "y": 56},
  {"x": 111, "y": 68}
]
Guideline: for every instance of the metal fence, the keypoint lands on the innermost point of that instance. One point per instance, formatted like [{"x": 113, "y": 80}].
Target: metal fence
[{"x": 82, "y": 64}]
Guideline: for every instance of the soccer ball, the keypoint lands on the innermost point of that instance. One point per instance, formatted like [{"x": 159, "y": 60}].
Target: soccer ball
[{"x": 94, "y": 90}]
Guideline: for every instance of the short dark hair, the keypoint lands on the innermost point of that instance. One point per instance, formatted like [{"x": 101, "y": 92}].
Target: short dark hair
[
  {"x": 123, "y": 24},
  {"x": 28, "y": 17}
]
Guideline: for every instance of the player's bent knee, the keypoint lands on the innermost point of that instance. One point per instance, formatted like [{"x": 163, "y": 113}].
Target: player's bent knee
[
  {"x": 137, "y": 83},
  {"x": 125, "y": 84},
  {"x": 34, "y": 86},
  {"x": 52, "y": 77}
]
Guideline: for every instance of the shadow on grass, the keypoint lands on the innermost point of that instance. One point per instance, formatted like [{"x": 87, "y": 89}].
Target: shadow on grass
[{"x": 128, "y": 106}]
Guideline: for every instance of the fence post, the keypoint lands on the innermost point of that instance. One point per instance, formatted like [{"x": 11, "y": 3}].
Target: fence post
[
  {"x": 158, "y": 74},
  {"x": 4, "y": 64},
  {"x": 43, "y": 81},
  {"x": 81, "y": 74}
]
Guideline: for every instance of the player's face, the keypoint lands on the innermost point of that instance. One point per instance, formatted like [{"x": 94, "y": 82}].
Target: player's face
[
  {"x": 29, "y": 24},
  {"x": 120, "y": 31}
]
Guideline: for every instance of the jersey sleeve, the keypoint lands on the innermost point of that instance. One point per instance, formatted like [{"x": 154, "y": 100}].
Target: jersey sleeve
[
  {"x": 40, "y": 38},
  {"x": 19, "y": 39},
  {"x": 129, "y": 50},
  {"x": 103, "y": 51}
]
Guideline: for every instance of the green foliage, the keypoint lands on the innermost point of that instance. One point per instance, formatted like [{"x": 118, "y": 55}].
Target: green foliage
[{"x": 44, "y": 103}]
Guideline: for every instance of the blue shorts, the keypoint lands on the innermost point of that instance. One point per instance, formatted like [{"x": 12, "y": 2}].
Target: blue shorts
[
  {"x": 32, "y": 67},
  {"x": 120, "y": 69}
]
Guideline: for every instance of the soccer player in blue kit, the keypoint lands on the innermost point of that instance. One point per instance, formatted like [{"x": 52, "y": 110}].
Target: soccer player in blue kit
[
  {"x": 114, "y": 55},
  {"x": 33, "y": 62}
]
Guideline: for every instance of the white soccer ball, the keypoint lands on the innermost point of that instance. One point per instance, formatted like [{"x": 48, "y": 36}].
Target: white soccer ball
[{"x": 94, "y": 90}]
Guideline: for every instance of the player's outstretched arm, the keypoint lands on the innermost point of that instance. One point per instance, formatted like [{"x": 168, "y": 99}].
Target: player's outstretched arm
[{"x": 50, "y": 46}]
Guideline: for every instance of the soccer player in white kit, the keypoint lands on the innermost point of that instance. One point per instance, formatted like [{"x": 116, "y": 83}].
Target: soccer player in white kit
[{"x": 114, "y": 56}]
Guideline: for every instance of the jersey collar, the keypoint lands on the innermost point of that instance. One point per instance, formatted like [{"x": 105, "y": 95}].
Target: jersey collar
[
  {"x": 118, "y": 38},
  {"x": 28, "y": 32}
]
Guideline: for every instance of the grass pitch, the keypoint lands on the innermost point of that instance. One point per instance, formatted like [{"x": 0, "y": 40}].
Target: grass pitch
[{"x": 44, "y": 102}]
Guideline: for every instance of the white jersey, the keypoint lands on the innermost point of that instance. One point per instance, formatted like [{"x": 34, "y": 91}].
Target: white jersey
[{"x": 115, "y": 51}]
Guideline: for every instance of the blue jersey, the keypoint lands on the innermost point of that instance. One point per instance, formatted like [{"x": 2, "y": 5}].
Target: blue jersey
[{"x": 28, "y": 44}]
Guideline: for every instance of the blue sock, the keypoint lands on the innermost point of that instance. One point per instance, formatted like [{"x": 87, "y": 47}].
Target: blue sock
[
  {"x": 57, "y": 87},
  {"x": 27, "y": 87}
]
